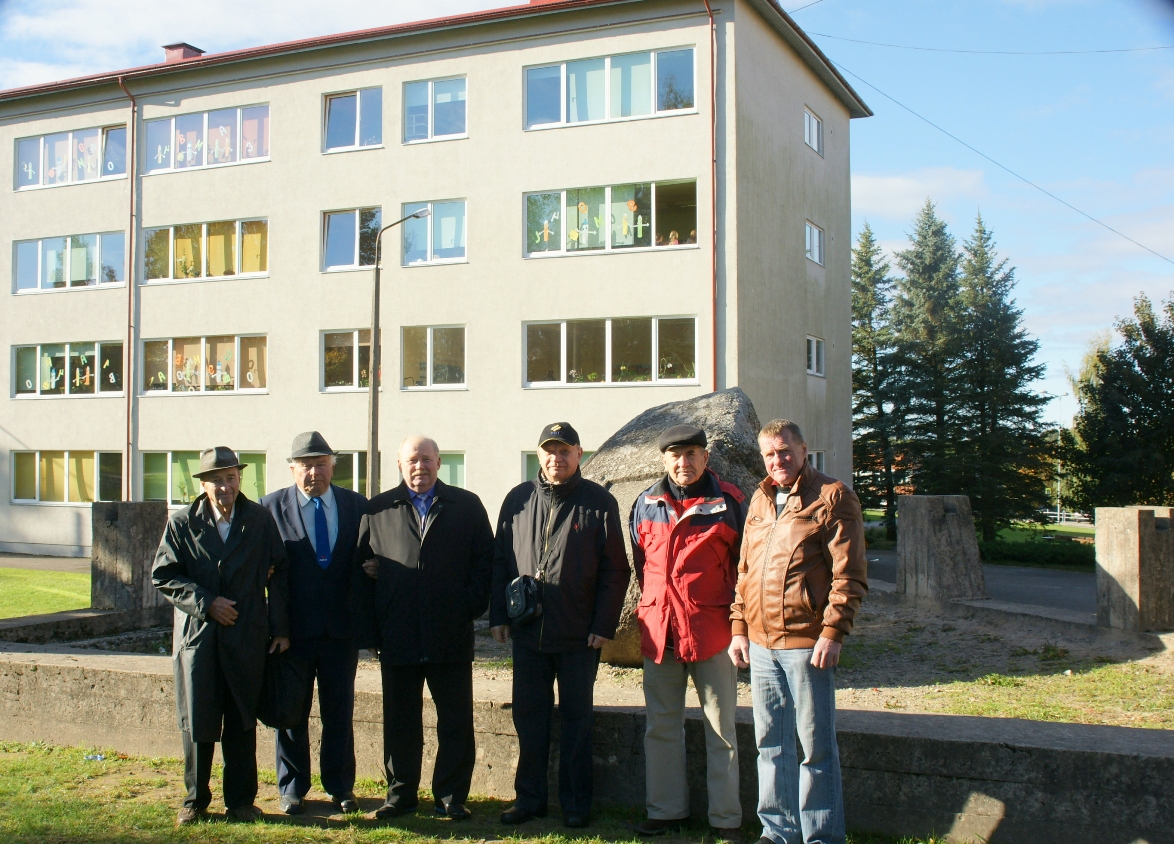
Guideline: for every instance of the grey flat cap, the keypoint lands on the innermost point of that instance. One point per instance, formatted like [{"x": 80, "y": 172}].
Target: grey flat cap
[
  {"x": 215, "y": 459},
  {"x": 309, "y": 444}
]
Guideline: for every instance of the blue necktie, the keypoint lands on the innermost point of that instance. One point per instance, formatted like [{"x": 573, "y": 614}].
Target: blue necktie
[{"x": 321, "y": 533}]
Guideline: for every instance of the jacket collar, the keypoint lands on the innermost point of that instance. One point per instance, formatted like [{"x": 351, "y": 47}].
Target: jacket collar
[
  {"x": 806, "y": 476},
  {"x": 709, "y": 484},
  {"x": 442, "y": 490},
  {"x": 560, "y": 491},
  {"x": 200, "y": 511}
]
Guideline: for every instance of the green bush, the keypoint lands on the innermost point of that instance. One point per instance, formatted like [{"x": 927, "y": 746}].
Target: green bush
[{"x": 1057, "y": 552}]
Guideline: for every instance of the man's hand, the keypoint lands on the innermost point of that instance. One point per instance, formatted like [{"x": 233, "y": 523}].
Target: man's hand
[
  {"x": 826, "y": 653},
  {"x": 372, "y": 569},
  {"x": 500, "y": 634},
  {"x": 740, "y": 651},
  {"x": 222, "y": 611},
  {"x": 269, "y": 576},
  {"x": 279, "y": 644},
  {"x": 596, "y": 642}
]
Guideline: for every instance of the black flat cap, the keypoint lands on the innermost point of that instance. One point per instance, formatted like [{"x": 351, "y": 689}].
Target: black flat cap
[
  {"x": 309, "y": 444},
  {"x": 559, "y": 432},
  {"x": 215, "y": 459},
  {"x": 682, "y": 435}
]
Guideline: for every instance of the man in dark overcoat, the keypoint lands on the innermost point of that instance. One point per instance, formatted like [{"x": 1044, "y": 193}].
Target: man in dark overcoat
[
  {"x": 218, "y": 557},
  {"x": 319, "y": 523},
  {"x": 429, "y": 548}
]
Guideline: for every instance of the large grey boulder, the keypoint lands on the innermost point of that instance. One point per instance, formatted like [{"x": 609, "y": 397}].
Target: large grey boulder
[{"x": 629, "y": 462}]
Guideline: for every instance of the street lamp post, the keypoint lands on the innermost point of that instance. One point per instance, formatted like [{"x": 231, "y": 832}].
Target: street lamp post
[{"x": 373, "y": 372}]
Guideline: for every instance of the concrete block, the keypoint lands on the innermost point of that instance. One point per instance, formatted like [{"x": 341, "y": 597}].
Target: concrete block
[
  {"x": 937, "y": 549},
  {"x": 1135, "y": 568},
  {"x": 125, "y": 538}
]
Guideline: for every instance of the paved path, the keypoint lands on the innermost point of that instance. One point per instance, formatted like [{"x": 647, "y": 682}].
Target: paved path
[
  {"x": 1075, "y": 591},
  {"x": 25, "y": 561}
]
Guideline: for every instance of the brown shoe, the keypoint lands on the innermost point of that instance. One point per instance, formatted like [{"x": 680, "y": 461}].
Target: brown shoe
[
  {"x": 188, "y": 815},
  {"x": 244, "y": 814}
]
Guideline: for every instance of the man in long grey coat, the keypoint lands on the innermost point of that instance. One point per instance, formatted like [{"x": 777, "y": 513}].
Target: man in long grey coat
[{"x": 216, "y": 560}]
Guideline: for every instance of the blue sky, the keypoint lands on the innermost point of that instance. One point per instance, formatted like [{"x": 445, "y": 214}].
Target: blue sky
[{"x": 1095, "y": 129}]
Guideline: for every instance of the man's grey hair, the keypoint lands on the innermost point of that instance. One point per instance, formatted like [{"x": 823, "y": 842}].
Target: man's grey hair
[
  {"x": 422, "y": 439},
  {"x": 775, "y": 427}
]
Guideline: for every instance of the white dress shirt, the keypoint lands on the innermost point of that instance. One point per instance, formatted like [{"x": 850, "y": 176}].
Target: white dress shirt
[
  {"x": 307, "y": 508},
  {"x": 223, "y": 523}
]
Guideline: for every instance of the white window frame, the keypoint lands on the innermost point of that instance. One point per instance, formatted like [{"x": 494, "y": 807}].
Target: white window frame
[
  {"x": 170, "y": 480},
  {"x": 237, "y": 389},
  {"x": 428, "y": 220},
  {"x": 562, "y": 98},
  {"x": 98, "y": 392},
  {"x": 607, "y": 249},
  {"x": 346, "y": 268},
  {"x": 358, "y": 460},
  {"x": 204, "y": 165},
  {"x": 816, "y": 459},
  {"x": 171, "y": 279},
  {"x": 430, "y": 387},
  {"x": 107, "y": 285},
  {"x": 357, "y": 93},
  {"x": 813, "y": 130},
  {"x": 102, "y": 177},
  {"x": 354, "y": 388},
  {"x": 464, "y": 465},
  {"x": 816, "y": 356},
  {"x": 814, "y": 243},
  {"x": 432, "y": 136},
  {"x": 37, "y": 478},
  {"x": 526, "y": 455},
  {"x": 654, "y": 381}
]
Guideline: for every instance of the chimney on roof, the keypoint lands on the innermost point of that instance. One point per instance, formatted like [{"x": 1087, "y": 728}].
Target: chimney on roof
[{"x": 180, "y": 52}]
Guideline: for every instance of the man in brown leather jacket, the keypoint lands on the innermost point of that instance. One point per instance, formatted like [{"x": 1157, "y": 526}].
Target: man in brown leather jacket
[{"x": 801, "y": 577}]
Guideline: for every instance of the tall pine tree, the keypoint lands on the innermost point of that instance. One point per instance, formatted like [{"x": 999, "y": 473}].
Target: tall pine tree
[
  {"x": 876, "y": 420},
  {"x": 1002, "y": 449},
  {"x": 925, "y": 317}
]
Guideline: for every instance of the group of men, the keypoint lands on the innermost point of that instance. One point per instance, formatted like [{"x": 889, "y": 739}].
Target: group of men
[{"x": 323, "y": 572}]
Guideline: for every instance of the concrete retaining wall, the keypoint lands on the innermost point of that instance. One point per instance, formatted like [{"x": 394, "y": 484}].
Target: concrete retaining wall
[{"x": 999, "y": 779}]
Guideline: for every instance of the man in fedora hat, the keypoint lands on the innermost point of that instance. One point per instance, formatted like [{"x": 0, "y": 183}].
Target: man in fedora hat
[
  {"x": 218, "y": 557},
  {"x": 319, "y": 523}
]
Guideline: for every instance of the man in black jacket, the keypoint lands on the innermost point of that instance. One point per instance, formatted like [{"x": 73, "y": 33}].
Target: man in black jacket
[
  {"x": 429, "y": 548},
  {"x": 319, "y": 523},
  {"x": 217, "y": 559},
  {"x": 565, "y": 532}
]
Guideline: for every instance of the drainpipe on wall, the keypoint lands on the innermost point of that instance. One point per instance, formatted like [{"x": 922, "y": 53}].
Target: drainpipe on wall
[
  {"x": 713, "y": 177},
  {"x": 128, "y": 381}
]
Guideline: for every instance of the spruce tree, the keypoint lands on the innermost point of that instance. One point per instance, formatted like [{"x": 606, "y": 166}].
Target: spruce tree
[
  {"x": 1001, "y": 449},
  {"x": 876, "y": 421},
  {"x": 925, "y": 318}
]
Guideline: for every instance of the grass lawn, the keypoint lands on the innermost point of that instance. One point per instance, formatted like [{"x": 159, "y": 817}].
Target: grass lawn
[
  {"x": 54, "y": 794},
  {"x": 28, "y": 592},
  {"x": 1027, "y": 533}
]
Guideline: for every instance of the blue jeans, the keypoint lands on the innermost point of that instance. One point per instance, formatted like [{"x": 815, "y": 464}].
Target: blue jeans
[{"x": 799, "y": 802}]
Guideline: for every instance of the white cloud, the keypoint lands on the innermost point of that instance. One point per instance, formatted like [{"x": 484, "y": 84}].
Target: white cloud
[{"x": 899, "y": 197}]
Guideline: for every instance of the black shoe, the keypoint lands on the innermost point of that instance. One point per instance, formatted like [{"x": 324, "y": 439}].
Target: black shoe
[
  {"x": 516, "y": 815},
  {"x": 291, "y": 804},
  {"x": 454, "y": 812},
  {"x": 244, "y": 814},
  {"x": 394, "y": 810},
  {"x": 345, "y": 803},
  {"x": 658, "y": 826},
  {"x": 576, "y": 821}
]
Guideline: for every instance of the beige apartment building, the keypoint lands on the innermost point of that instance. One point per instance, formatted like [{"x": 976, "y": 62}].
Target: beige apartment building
[{"x": 629, "y": 202}]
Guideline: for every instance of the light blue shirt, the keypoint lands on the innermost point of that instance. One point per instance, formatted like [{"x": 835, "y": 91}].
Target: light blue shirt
[{"x": 328, "y": 505}]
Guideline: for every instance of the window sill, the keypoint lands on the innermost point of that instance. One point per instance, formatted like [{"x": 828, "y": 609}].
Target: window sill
[
  {"x": 621, "y": 251},
  {"x": 439, "y": 263},
  {"x": 147, "y": 393},
  {"x": 559, "y": 385},
  {"x": 164, "y": 172},
  {"x": 163, "y": 282},
  {"x": 26, "y": 502},
  {"x": 341, "y": 150},
  {"x": 817, "y": 374},
  {"x": 102, "y": 395},
  {"x": 364, "y": 268},
  {"x": 437, "y": 388},
  {"x": 97, "y": 181},
  {"x": 812, "y": 260},
  {"x": 36, "y": 291},
  {"x": 464, "y": 136},
  {"x": 679, "y": 112},
  {"x": 344, "y": 390}
]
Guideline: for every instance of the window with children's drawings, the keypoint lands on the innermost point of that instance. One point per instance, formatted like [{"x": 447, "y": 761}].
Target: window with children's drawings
[
  {"x": 644, "y": 215},
  {"x": 68, "y": 369},
  {"x": 69, "y": 158},
  {"x": 207, "y": 139},
  {"x": 223, "y": 364}
]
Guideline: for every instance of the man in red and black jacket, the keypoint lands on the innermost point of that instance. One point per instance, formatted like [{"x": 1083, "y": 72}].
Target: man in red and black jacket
[{"x": 686, "y": 531}]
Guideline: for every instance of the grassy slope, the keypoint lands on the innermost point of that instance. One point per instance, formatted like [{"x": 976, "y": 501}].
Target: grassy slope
[{"x": 28, "y": 592}]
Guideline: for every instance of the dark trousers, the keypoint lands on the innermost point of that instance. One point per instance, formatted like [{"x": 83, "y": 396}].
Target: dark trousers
[
  {"x": 451, "y": 687},
  {"x": 238, "y": 745},
  {"x": 534, "y": 676},
  {"x": 333, "y": 662}
]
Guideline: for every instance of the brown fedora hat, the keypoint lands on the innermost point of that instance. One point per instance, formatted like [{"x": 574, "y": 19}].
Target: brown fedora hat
[{"x": 215, "y": 459}]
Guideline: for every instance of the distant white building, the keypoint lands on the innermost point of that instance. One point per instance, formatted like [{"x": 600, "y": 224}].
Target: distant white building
[{"x": 609, "y": 231}]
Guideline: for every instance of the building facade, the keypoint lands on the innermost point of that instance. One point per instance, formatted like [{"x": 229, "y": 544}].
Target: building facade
[{"x": 611, "y": 204}]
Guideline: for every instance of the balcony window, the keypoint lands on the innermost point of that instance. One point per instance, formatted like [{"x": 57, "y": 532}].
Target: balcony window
[
  {"x": 354, "y": 120},
  {"x": 348, "y": 238},
  {"x": 611, "y": 351},
  {"x": 207, "y": 139},
  {"x": 434, "y": 109},
  {"x": 66, "y": 477},
  {"x": 433, "y": 356},
  {"x": 205, "y": 364},
  {"x": 437, "y": 237},
  {"x": 206, "y": 250},
  {"x": 84, "y": 155},
  {"x": 81, "y": 260},
  {"x": 346, "y": 359}
]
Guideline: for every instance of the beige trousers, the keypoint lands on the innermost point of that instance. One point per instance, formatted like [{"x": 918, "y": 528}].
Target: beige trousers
[{"x": 716, "y": 681}]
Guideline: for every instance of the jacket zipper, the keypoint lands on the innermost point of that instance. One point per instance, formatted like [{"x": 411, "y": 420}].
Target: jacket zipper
[
  {"x": 545, "y": 550},
  {"x": 765, "y": 557}
]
